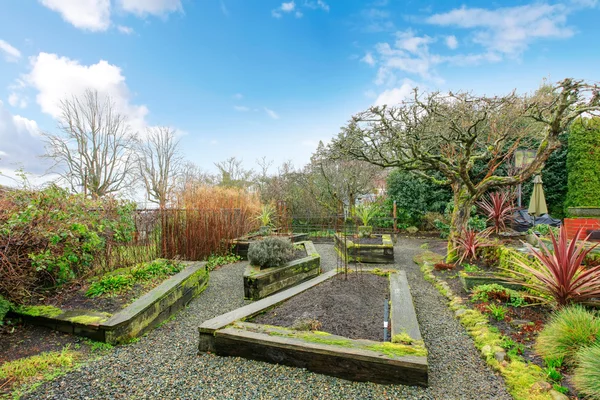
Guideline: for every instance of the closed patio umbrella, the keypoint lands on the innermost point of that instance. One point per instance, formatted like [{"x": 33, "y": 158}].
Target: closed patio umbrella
[{"x": 537, "y": 204}]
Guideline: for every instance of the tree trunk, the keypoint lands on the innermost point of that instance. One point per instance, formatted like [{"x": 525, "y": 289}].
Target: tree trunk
[{"x": 463, "y": 201}]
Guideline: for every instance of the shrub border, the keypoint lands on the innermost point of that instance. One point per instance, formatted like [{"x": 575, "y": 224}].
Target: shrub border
[{"x": 519, "y": 376}]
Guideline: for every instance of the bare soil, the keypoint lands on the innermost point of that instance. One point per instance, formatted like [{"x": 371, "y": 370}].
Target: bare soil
[{"x": 352, "y": 307}]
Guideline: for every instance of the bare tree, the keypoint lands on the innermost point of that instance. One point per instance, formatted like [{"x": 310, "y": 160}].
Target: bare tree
[
  {"x": 456, "y": 134},
  {"x": 93, "y": 151},
  {"x": 233, "y": 174},
  {"x": 340, "y": 180},
  {"x": 159, "y": 162}
]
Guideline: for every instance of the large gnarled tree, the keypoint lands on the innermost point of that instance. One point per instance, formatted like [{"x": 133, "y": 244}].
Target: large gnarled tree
[{"x": 455, "y": 134}]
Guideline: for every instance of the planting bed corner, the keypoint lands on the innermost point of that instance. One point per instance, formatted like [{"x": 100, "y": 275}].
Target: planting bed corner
[
  {"x": 403, "y": 361},
  {"x": 371, "y": 251},
  {"x": 242, "y": 244},
  {"x": 142, "y": 315},
  {"x": 260, "y": 283}
]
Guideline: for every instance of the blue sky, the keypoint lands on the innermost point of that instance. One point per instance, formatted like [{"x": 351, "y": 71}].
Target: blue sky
[{"x": 253, "y": 78}]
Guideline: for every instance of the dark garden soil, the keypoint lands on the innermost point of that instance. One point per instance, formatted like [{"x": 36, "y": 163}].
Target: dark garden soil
[
  {"x": 299, "y": 253},
  {"x": 77, "y": 300},
  {"x": 351, "y": 307}
]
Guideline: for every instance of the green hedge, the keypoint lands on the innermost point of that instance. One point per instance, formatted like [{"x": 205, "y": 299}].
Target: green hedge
[{"x": 583, "y": 164}]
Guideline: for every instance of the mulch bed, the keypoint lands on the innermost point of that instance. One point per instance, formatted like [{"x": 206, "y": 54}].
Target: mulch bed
[{"x": 351, "y": 307}]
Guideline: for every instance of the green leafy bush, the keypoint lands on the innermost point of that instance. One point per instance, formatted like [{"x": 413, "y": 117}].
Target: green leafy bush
[
  {"x": 497, "y": 311},
  {"x": 214, "y": 260},
  {"x": 544, "y": 230},
  {"x": 569, "y": 329},
  {"x": 415, "y": 196},
  {"x": 111, "y": 284},
  {"x": 586, "y": 376},
  {"x": 583, "y": 163},
  {"x": 494, "y": 291},
  {"x": 50, "y": 236},
  {"x": 270, "y": 252},
  {"x": 4, "y": 308}
]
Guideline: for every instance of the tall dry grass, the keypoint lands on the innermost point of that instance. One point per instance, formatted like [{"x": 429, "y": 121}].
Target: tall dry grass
[{"x": 206, "y": 220}]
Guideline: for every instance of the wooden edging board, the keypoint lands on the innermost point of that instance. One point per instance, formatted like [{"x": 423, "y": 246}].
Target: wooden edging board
[
  {"x": 139, "y": 317},
  {"x": 222, "y": 336},
  {"x": 403, "y": 316}
]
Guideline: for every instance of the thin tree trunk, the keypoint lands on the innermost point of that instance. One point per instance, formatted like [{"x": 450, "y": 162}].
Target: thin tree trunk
[{"x": 463, "y": 201}]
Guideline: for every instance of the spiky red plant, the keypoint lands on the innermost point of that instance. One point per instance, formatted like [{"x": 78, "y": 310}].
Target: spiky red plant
[
  {"x": 469, "y": 243},
  {"x": 560, "y": 273},
  {"x": 498, "y": 208}
]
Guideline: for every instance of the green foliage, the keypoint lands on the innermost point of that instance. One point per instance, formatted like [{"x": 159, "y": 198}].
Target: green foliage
[
  {"x": 215, "y": 260},
  {"x": 560, "y": 389},
  {"x": 544, "y": 230},
  {"x": 265, "y": 216},
  {"x": 583, "y": 163},
  {"x": 513, "y": 349},
  {"x": 569, "y": 329},
  {"x": 51, "y": 236},
  {"x": 270, "y": 252},
  {"x": 587, "y": 373},
  {"x": 99, "y": 346},
  {"x": 111, "y": 284},
  {"x": 38, "y": 366},
  {"x": 366, "y": 213},
  {"x": 497, "y": 311},
  {"x": 5, "y": 307},
  {"x": 471, "y": 268},
  {"x": 415, "y": 196},
  {"x": 553, "y": 374},
  {"x": 491, "y": 291}
]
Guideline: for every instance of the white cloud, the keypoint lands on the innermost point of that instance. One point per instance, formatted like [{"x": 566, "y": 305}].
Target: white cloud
[
  {"x": 20, "y": 143},
  {"x": 238, "y": 96},
  {"x": 510, "y": 30},
  {"x": 317, "y": 4},
  {"x": 288, "y": 7},
  {"x": 271, "y": 113},
  {"x": 56, "y": 78},
  {"x": 396, "y": 95},
  {"x": 126, "y": 30},
  {"x": 292, "y": 7},
  {"x": 16, "y": 100},
  {"x": 451, "y": 42},
  {"x": 93, "y": 15},
  {"x": 11, "y": 54},
  {"x": 143, "y": 8},
  {"x": 241, "y": 108},
  {"x": 368, "y": 58}
]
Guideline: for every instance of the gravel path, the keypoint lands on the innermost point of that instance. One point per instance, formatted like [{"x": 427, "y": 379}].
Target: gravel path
[{"x": 165, "y": 365}]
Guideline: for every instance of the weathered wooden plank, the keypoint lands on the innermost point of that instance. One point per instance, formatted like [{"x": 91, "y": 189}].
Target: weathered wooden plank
[
  {"x": 223, "y": 320},
  {"x": 403, "y": 316},
  {"x": 346, "y": 363}
]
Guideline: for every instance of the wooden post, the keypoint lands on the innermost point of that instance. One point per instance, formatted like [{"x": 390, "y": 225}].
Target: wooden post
[{"x": 395, "y": 215}]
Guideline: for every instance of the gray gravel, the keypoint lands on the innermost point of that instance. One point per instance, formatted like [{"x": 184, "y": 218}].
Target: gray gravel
[{"x": 165, "y": 364}]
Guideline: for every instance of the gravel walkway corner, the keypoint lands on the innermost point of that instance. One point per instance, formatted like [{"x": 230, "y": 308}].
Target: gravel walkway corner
[{"x": 165, "y": 364}]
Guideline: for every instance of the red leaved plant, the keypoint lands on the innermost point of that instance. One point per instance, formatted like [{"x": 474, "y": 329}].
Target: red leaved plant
[
  {"x": 560, "y": 273},
  {"x": 469, "y": 243},
  {"x": 498, "y": 208}
]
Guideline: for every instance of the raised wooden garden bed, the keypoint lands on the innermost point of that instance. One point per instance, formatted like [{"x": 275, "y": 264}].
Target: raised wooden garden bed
[
  {"x": 259, "y": 283},
  {"x": 241, "y": 245},
  {"x": 139, "y": 317},
  {"x": 321, "y": 352},
  {"x": 378, "y": 253}
]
